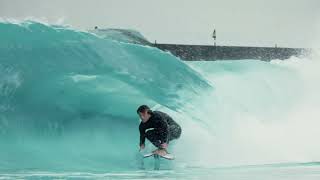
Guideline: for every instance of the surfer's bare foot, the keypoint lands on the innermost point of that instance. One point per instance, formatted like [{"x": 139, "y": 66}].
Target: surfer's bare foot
[{"x": 160, "y": 152}]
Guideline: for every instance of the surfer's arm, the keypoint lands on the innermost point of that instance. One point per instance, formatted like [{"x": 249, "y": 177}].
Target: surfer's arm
[{"x": 142, "y": 135}]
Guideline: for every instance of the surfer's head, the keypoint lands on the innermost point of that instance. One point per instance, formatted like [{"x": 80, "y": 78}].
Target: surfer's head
[{"x": 144, "y": 112}]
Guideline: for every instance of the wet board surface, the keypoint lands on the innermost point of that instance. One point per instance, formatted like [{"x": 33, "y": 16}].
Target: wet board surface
[{"x": 167, "y": 156}]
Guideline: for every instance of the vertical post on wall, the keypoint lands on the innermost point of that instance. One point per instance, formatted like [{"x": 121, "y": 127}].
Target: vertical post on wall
[{"x": 214, "y": 36}]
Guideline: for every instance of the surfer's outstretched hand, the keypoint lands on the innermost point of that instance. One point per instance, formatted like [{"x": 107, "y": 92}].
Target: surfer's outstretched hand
[{"x": 141, "y": 147}]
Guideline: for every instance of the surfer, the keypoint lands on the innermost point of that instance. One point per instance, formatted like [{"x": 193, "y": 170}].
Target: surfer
[{"x": 158, "y": 127}]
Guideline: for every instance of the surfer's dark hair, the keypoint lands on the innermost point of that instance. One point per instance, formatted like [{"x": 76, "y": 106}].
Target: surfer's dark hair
[{"x": 143, "y": 108}]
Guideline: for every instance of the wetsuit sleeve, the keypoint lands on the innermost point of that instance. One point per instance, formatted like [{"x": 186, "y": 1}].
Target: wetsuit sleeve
[{"x": 142, "y": 134}]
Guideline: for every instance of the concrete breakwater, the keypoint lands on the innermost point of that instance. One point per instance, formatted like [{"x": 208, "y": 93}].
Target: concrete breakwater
[{"x": 211, "y": 53}]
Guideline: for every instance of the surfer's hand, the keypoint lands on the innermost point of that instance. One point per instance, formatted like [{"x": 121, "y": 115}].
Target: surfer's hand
[
  {"x": 141, "y": 147},
  {"x": 164, "y": 145}
]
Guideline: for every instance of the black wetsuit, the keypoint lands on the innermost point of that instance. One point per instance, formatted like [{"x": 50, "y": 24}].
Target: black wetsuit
[{"x": 159, "y": 129}]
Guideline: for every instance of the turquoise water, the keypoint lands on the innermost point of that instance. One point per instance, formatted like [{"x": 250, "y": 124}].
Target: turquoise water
[
  {"x": 68, "y": 103},
  {"x": 259, "y": 172}
]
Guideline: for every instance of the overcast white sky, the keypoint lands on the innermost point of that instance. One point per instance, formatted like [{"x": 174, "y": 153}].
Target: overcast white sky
[{"x": 290, "y": 23}]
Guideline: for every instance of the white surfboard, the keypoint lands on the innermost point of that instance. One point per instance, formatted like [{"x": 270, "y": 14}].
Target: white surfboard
[{"x": 167, "y": 156}]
